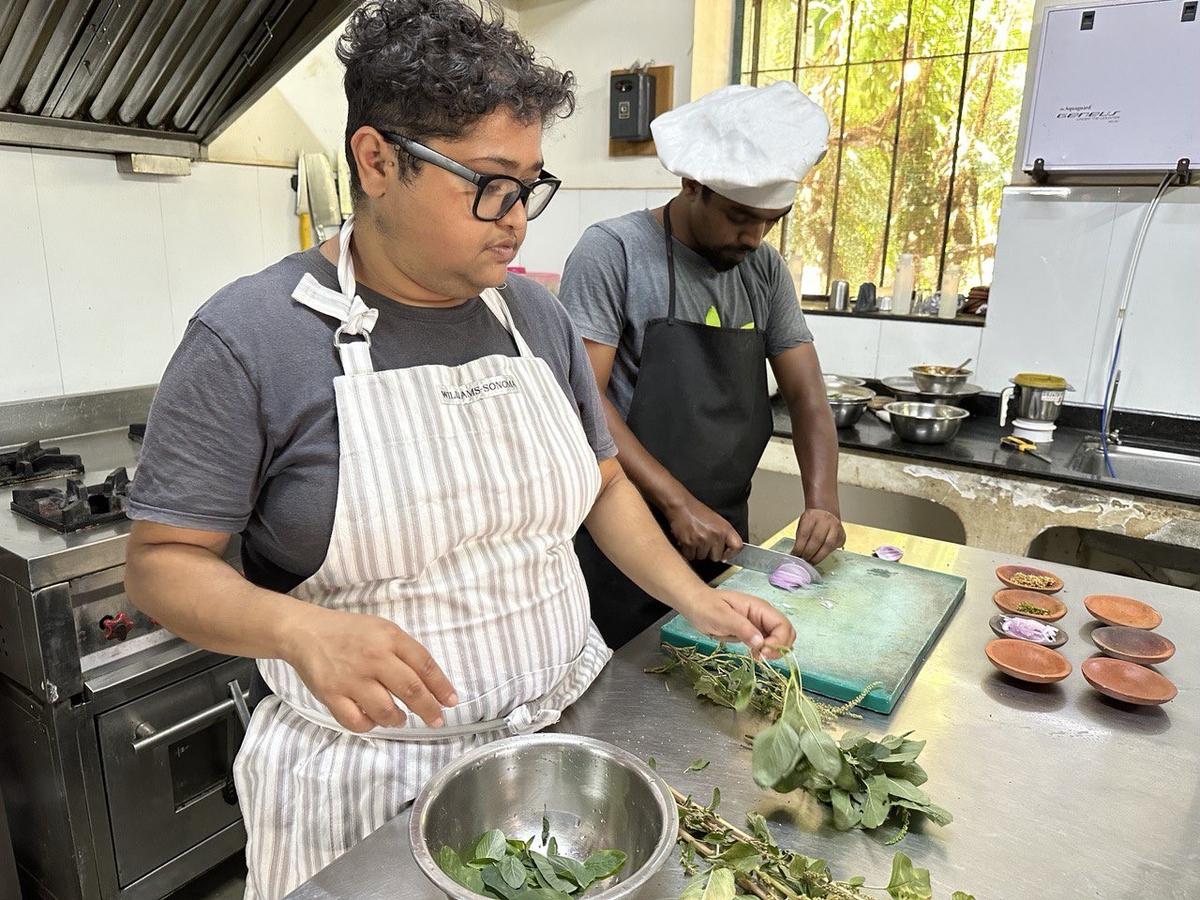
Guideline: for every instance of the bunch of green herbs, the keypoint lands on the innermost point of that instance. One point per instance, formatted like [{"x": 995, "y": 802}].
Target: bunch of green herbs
[
  {"x": 503, "y": 868},
  {"x": 867, "y": 782},
  {"x": 739, "y": 682},
  {"x": 727, "y": 863}
]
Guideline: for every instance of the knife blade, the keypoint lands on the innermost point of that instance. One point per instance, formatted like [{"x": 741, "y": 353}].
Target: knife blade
[{"x": 760, "y": 559}]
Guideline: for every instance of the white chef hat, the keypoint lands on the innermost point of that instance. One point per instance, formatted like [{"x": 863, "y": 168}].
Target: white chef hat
[{"x": 750, "y": 144}]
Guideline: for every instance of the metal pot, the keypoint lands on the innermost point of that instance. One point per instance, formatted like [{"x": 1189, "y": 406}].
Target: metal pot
[
  {"x": 1039, "y": 397},
  {"x": 840, "y": 381},
  {"x": 848, "y": 404},
  {"x": 596, "y": 797},
  {"x": 925, "y": 423},
  {"x": 932, "y": 380}
]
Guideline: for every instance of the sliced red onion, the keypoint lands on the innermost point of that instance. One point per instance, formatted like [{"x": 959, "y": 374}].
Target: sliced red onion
[
  {"x": 888, "y": 552},
  {"x": 790, "y": 576},
  {"x": 1029, "y": 629}
]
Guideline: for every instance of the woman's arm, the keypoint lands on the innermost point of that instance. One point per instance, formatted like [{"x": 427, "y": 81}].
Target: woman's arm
[
  {"x": 621, "y": 525},
  {"x": 352, "y": 663}
]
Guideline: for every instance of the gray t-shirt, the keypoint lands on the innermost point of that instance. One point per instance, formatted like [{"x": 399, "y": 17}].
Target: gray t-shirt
[
  {"x": 615, "y": 282},
  {"x": 242, "y": 435}
]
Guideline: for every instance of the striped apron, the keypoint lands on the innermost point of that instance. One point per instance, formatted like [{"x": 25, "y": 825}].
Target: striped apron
[{"x": 460, "y": 489}]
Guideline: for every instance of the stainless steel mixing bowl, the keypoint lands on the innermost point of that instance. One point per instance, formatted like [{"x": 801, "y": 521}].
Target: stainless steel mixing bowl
[
  {"x": 925, "y": 423},
  {"x": 936, "y": 380},
  {"x": 848, "y": 403},
  {"x": 596, "y": 797},
  {"x": 840, "y": 381}
]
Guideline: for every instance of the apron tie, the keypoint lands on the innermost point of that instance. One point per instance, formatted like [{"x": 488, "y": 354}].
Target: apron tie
[
  {"x": 522, "y": 721},
  {"x": 361, "y": 318}
]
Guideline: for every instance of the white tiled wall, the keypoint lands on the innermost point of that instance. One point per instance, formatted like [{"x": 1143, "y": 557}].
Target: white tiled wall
[
  {"x": 553, "y": 235},
  {"x": 212, "y": 214},
  {"x": 29, "y": 364},
  {"x": 103, "y": 270},
  {"x": 111, "y": 267},
  {"x": 1160, "y": 357},
  {"x": 906, "y": 344},
  {"x": 875, "y": 348},
  {"x": 846, "y": 346},
  {"x": 103, "y": 238},
  {"x": 1061, "y": 263}
]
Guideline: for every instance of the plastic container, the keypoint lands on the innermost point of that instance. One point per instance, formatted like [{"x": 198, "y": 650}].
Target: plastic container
[
  {"x": 948, "y": 296},
  {"x": 902, "y": 285}
]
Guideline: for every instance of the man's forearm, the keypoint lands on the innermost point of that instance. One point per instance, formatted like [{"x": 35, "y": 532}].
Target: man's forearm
[
  {"x": 658, "y": 486},
  {"x": 814, "y": 439},
  {"x": 201, "y": 598}
]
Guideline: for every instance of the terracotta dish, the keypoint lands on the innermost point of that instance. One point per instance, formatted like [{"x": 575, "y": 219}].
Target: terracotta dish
[
  {"x": 1128, "y": 681},
  {"x": 1133, "y": 644},
  {"x": 1006, "y": 573},
  {"x": 1114, "y": 610},
  {"x": 1011, "y": 599},
  {"x": 1028, "y": 662}
]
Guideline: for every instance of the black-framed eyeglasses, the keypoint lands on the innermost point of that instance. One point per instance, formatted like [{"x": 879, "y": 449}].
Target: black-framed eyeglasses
[{"x": 495, "y": 195}]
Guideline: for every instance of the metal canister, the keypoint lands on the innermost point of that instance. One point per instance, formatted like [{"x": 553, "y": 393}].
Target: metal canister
[{"x": 839, "y": 295}]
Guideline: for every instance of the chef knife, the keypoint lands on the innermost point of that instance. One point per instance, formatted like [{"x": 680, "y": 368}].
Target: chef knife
[{"x": 761, "y": 559}]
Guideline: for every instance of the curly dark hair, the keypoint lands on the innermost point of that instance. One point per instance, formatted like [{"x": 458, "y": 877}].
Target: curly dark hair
[{"x": 433, "y": 68}]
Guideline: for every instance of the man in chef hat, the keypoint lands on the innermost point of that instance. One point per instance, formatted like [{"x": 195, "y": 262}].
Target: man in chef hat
[{"x": 679, "y": 307}]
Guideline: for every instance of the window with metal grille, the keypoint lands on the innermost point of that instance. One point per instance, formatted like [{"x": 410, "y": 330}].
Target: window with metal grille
[{"x": 924, "y": 102}]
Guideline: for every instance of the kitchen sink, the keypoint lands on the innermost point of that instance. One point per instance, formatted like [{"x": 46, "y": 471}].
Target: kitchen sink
[{"x": 1150, "y": 466}]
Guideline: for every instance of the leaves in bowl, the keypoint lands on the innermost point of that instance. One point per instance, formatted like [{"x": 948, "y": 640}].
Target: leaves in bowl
[{"x": 508, "y": 869}]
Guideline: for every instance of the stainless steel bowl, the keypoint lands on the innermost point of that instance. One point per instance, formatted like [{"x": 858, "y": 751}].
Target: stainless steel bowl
[
  {"x": 905, "y": 388},
  {"x": 596, "y": 797},
  {"x": 925, "y": 423},
  {"x": 841, "y": 381},
  {"x": 848, "y": 403},
  {"x": 929, "y": 381}
]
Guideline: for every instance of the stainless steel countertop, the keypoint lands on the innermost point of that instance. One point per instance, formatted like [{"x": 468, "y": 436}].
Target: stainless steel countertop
[
  {"x": 1056, "y": 791},
  {"x": 34, "y": 556}
]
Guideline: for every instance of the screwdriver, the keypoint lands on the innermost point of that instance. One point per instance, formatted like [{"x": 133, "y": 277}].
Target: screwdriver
[{"x": 1012, "y": 442}]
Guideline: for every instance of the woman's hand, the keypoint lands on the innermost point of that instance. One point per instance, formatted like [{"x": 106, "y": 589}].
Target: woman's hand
[
  {"x": 732, "y": 616},
  {"x": 358, "y": 664}
]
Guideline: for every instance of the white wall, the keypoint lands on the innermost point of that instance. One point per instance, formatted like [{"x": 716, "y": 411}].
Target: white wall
[
  {"x": 1061, "y": 263},
  {"x": 1062, "y": 256},
  {"x": 304, "y": 112},
  {"x": 875, "y": 348},
  {"x": 591, "y": 38},
  {"x": 103, "y": 270},
  {"x": 553, "y": 235}
]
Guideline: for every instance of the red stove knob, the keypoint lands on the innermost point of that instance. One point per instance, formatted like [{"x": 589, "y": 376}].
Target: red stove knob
[{"x": 116, "y": 628}]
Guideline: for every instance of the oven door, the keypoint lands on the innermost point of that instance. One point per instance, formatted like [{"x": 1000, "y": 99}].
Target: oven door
[{"x": 167, "y": 759}]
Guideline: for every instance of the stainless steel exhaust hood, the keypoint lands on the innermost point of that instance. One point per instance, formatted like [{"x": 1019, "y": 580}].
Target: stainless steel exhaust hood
[{"x": 160, "y": 77}]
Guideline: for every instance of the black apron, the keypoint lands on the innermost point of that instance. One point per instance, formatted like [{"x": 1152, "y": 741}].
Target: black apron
[{"x": 701, "y": 408}]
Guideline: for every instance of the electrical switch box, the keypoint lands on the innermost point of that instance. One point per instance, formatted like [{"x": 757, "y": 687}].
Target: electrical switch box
[{"x": 631, "y": 106}]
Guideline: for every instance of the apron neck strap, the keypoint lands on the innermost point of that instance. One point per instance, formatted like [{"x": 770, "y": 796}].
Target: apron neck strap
[
  {"x": 358, "y": 318},
  {"x": 496, "y": 303},
  {"x": 671, "y": 272},
  {"x": 352, "y": 339},
  {"x": 670, "y": 262},
  {"x": 353, "y": 336}
]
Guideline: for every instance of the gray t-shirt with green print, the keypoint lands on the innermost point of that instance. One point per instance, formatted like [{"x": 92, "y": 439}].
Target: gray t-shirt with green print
[{"x": 615, "y": 282}]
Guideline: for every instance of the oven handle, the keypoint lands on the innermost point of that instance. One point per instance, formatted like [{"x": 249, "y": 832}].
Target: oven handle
[{"x": 147, "y": 737}]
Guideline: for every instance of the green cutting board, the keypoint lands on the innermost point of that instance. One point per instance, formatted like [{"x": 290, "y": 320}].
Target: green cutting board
[{"x": 869, "y": 620}]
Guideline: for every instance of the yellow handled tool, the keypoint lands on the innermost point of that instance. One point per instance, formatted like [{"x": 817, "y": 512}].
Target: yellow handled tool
[{"x": 1012, "y": 442}]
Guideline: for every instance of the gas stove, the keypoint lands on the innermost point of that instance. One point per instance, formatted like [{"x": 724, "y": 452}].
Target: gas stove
[
  {"x": 119, "y": 735},
  {"x": 76, "y": 506},
  {"x": 32, "y": 461}
]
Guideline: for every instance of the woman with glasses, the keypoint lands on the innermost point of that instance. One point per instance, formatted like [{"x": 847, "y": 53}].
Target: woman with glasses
[{"x": 406, "y": 438}]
